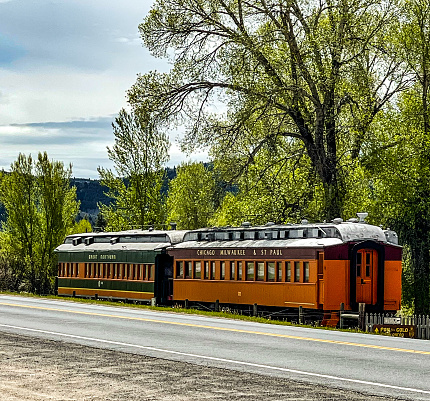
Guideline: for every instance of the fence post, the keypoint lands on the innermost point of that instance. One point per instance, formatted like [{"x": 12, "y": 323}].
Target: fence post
[
  {"x": 300, "y": 314},
  {"x": 255, "y": 310},
  {"x": 428, "y": 328},
  {"x": 361, "y": 313},
  {"x": 217, "y": 305},
  {"x": 341, "y": 310}
]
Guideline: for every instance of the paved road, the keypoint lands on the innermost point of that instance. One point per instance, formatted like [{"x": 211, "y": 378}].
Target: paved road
[{"x": 375, "y": 364}]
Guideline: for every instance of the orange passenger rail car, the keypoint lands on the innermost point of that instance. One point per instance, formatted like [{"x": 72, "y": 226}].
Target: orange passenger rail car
[{"x": 315, "y": 266}]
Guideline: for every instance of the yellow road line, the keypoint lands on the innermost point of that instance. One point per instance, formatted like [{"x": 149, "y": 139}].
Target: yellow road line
[{"x": 260, "y": 333}]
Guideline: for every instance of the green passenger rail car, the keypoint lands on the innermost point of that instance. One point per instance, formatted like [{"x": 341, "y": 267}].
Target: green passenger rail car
[{"x": 130, "y": 265}]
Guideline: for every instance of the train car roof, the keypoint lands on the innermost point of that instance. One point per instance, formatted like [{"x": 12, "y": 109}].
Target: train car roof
[
  {"x": 129, "y": 240},
  {"x": 288, "y": 235},
  {"x": 288, "y": 243}
]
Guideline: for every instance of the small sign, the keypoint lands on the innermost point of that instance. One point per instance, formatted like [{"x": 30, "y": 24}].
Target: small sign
[
  {"x": 395, "y": 330},
  {"x": 392, "y": 320}
]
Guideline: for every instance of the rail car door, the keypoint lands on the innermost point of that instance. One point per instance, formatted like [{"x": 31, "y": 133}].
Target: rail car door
[{"x": 366, "y": 276}]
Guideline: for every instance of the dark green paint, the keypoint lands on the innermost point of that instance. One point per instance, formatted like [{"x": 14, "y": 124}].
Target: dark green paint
[{"x": 105, "y": 284}]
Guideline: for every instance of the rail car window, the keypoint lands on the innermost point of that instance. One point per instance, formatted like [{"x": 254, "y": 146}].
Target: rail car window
[
  {"x": 187, "y": 269},
  {"x": 192, "y": 237},
  {"x": 368, "y": 264},
  {"x": 296, "y": 234},
  {"x": 198, "y": 270},
  {"x": 279, "y": 271},
  {"x": 313, "y": 233},
  {"x": 231, "y": 270},
  {"x": 260, "y": 271},
  {"x": 271, "y": 271},
  {"x": 288, "y": 271},
  {"x": 250, "y": 266},
  {"x": 212, "y": 271},
  {"x": 239, "y": 271},
  {"x": 206, "y": 272},
  {"x": 222, "y": 271},
  {"x": 179, "y": 269},
  {"x": 296, "y": 272},
  {"x": 306, "y": 271},
  {"x": 238, "y": 235},
  {"x": 250, "y": 235},
  {"x": 101, "y": 240},
  {"x": 359, "y": 262}
]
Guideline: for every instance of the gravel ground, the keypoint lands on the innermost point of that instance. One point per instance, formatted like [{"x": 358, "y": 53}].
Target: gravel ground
[{"x": 34, "y": 369}]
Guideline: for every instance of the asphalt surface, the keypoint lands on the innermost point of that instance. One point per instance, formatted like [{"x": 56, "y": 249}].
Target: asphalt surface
[{"x": 374, "y": 365}]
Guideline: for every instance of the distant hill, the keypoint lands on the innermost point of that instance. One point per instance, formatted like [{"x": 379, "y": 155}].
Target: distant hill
[{"x": 91, "y": 192}]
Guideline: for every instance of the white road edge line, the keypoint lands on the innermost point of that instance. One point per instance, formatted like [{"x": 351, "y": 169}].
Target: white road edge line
[{"x": 255, "y": 365}]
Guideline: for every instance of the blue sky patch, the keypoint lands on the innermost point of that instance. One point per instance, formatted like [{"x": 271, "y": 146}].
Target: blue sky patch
[{"x": 9, "y": 51}]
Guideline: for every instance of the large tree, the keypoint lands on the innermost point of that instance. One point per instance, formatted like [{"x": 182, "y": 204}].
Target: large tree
[
  {"x": 311, "y": 73},
  {"x": 192, "y": 195},
  {"x": 41, "y": 208},
  {"x": 138, "y": 155}
]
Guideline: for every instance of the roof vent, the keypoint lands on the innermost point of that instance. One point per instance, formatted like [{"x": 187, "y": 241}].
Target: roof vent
[
  {"x": 353, "y": 220},
  {"x": 269, "y": 223},
  {"x": 246, "y": 224},
  {"x": 362, "y": 217},
  {"x": 173, "y": 225},
  {"x": 337, "y": 220},
  {"x": 76, "y": 241},
  {"x": 304, "y": 221}
]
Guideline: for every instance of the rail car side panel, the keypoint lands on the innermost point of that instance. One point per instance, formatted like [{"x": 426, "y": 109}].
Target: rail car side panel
[
  {"x": 393, "y": 285},
  {"x": 106, "y": 288},
  {"x": 336, "y": 284},
  {"x": 247, "y": 292}
]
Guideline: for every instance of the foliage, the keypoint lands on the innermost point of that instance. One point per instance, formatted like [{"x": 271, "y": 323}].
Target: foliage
[
  {"x": 192, "y": 195},
  {"x": 271, "y": 190},
  {"x": 138, "y": 154},
  {"x": 82, "y": 226},
  {"x": 41, "y": 208},
  {"x": 309, "y": 74}
]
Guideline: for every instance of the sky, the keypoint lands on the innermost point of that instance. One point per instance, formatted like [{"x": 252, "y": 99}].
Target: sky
[{"x": 65, "y": 67}]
